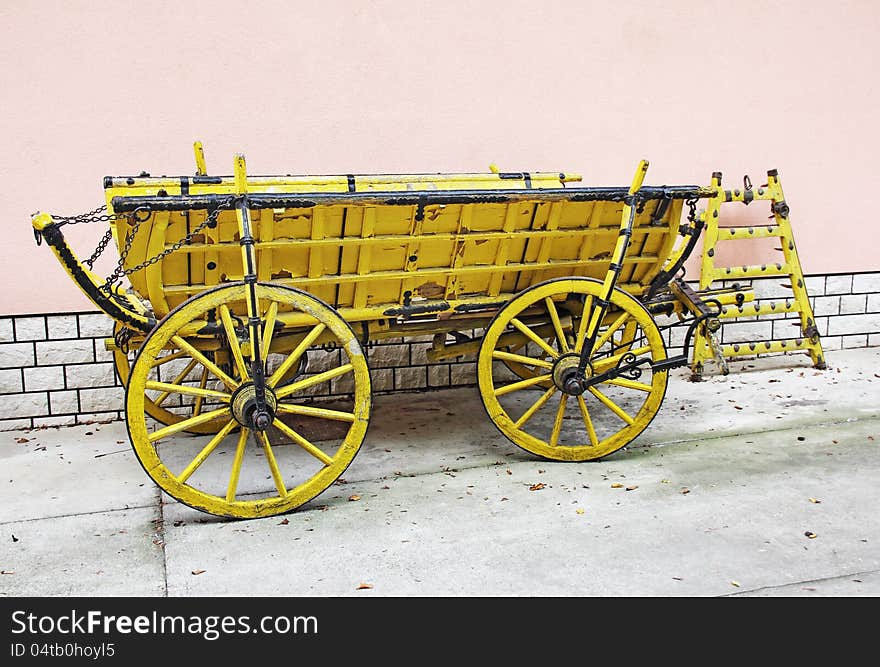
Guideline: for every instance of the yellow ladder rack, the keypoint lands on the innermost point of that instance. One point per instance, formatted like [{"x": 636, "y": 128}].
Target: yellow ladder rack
[{"x": 706, "y": 346}]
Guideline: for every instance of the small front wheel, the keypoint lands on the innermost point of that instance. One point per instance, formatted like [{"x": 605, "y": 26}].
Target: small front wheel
[{"x": 537, "y": 410}]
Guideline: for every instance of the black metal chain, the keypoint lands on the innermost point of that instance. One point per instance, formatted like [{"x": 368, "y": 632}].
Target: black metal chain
[
  {"x": 120, "y": 271},
  {"x": 85, "y": 218},
  {"x": 134, "y": 219},
  {"x": 102, "y": 244},
  {"x": 89, "y": 217},
  {"x": 121, "y": 337},
  {"x": 692, "y": 208}
]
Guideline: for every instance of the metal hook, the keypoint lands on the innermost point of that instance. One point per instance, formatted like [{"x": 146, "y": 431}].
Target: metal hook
[{"x": 141, "y": 209}]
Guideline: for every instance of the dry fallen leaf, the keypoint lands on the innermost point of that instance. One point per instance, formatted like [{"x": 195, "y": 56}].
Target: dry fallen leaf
[
  {"x": 632, "y": 488},
  {"x": 199, "y": 571},
  {"x": 738, "y": 407},
  {"x": 537, "y": 487},
  {"x": 354, "y": 497},
  {"x": 810, "y": 534},
  {"x": 814, "y": 500},
  {"x": 284, "y": 522},
  {"x": 22, "y": 440},
  {"x": 684, "y": 491},
  {"x": 617, "y": 485},
  {"x": 579, "y": 510},
  {"x": 503, "y": 498},
  {"x": 363, "y": 586},
  {"x": 734, "y": 583}
]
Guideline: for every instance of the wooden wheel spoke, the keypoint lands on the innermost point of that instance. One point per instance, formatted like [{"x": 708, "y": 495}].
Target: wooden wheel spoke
[
  {"x": 522, "y": 384},
  {"x": 313, "y": 380},
  {"x": 232, "y": 339},
  {"x": 203, "y": 381},
  {"x": 176, "y": 381},
  {"x": 204, "y": 361},
  {"x": 629, "y": 384},
  {"x": 557, "y": 423},
  {"x": 235, "y": 473},
  {"x": 273, "y": 464},
  {"x": 501, "y": 355},
  {"x": 168, "y": 357},
  {"x": 611, "y": 330},
  {"x": 588, "y": 422},
  {"x": 586, "y": 314},
  {"x": 537, "y": 405},
  {"x": 206, "y": 451},
  {"x": 294, "y": 356},
  {"x": 535, "y": 338},
  {"x": 187, "y": 423},
  {"x": 311, "y": 411},
  {"x": 269, "y": 329},
  {"x": 629, "y": 334},
  {"x": 611, "y": 405},
  {"x": 302, "y": 442},
  {"x": 167, "y": 388},
  {"x": 557, "y": 325}
]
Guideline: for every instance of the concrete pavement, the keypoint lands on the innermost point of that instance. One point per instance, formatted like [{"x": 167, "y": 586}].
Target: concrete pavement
[{"x": 761, "y": 483}]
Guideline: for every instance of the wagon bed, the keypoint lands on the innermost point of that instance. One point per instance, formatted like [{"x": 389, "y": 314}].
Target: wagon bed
[{"x": 367, "y": 244}]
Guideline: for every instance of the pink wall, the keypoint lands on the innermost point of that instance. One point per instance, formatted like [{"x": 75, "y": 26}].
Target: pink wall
[{"x": 92, "y": 89}]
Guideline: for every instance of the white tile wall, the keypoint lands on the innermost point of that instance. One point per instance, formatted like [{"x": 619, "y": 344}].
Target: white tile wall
[{"x": 54, "y": 368}]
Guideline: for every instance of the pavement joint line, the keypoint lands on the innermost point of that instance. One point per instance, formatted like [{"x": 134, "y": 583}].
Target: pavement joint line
[
  {"x": 798, "y": 583},
  {"x": 73, "y": 514},
  {"x": 160, "y": 535}
]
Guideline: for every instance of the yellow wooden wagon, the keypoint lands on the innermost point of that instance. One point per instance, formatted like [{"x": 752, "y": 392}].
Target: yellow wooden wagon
[{"x": 250, "y": 296}]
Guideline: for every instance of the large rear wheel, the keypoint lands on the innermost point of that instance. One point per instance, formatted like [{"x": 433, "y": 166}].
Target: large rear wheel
[{"x": 239, "y": 470}]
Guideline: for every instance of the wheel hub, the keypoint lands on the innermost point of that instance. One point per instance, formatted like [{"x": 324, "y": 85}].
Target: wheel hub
[
  {"x": 246, "y": 408},
  {"x": 565, "y": 375}
]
